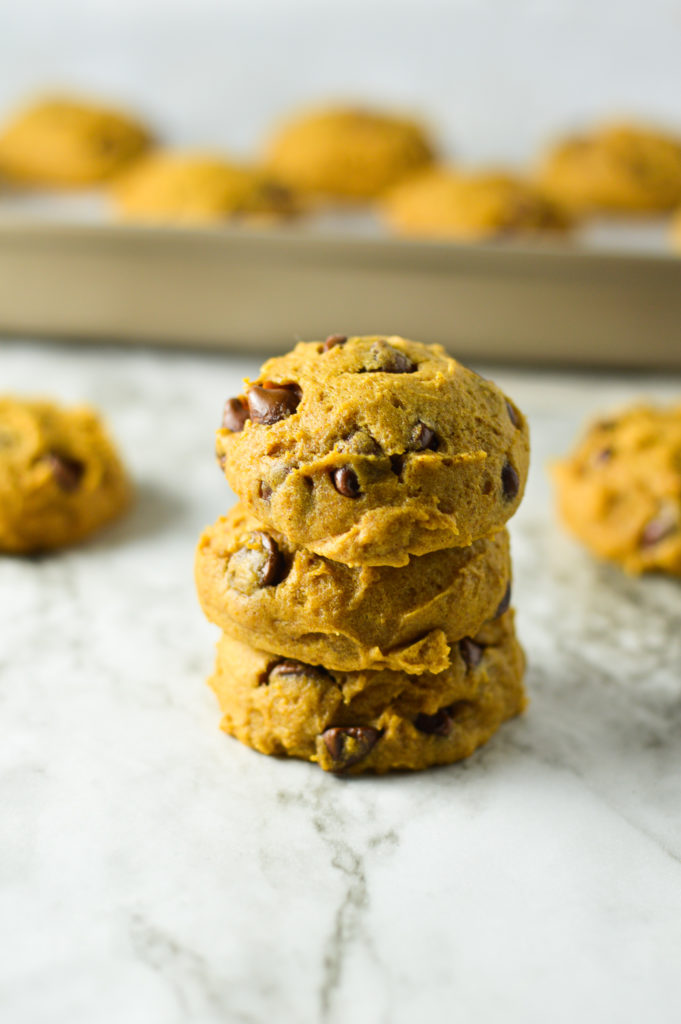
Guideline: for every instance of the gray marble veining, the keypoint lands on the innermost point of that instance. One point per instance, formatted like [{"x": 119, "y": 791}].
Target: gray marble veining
[{"x": 154, "y": 871}]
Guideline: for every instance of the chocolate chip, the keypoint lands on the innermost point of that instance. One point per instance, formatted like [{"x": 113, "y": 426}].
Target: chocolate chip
[
  {"x": 470, "y": 651},
  {"x": 333, "y": 340},
  {"x": 67, "y": 472},
  {"x": 601, "y": 457},
  {"x": 397, "y": 464},
  {"x": 345, "y": 481},
  {"x": 349, "y": 744},
  {"x": 264, "y": 490},
  {"x": 384, "y": 358},
  {"x": 657, "y": 529},
  {"x": 234, "y": 415},
  {"x": 512, "y": 414},
  {"x": 258, "y": 563},
  {"x": 270, "y": 403},
  {"x": 423, "y": 437},
  {"x": 439, "y": 724},
  {"x": 288, "y": 667},
  {"x": 510, "y": 481},
  {"x": 504, "y": 604}
]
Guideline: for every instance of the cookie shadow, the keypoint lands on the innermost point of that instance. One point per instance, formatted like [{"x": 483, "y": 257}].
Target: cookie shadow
[{"x": 153, "y": 511}]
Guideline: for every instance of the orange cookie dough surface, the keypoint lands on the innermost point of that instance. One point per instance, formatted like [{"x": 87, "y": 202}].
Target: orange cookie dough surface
[
  {"x": 264, "y": 592},
  {"x": 177, "y": 187},
  {"x": 60, "y": 475},
  {"x": 620, "y": 490},
  {"x": 63, "y": 142},
  {"x": 370, "y": 449},
  {"x": 619, "y": 168},
  {"x": 372, "y": 721},
  {"x": 349, "y": 154},
  {"x": 442, "y": 203}
]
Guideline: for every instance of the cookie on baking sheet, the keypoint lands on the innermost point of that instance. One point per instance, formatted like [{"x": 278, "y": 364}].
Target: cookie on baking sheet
[
  {"x": 370, "y": 449},
  {"x": 620, "y": 490},
  {"x": 199, "y": 187},
  {"x": 65, "y": 142},
  {"x": 262, "y": 590},
  {"x": 350, "y": 154},
  {"x": 60, "y": 475},
  {"x": 443, "y": 203},
  {"x": 372, "y": 721},
  {"x": 618, "y": 168}
]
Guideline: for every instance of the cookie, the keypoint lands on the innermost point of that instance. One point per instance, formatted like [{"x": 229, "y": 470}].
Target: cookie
[
  {"x": 369, "y": 449},
  {"x": 620, "y": 490},
  {"x": 60, "y": 475},
  {"x": 64, "y": 142},
  {"x": 620, "y": 168},
  {"x": 349, "y": 154},
  {"x": 444, "y": 203},
  {"x": 371, "y": 721},
  {"x": 198, "y": 187},
  {"x": 262, "y": 590}
]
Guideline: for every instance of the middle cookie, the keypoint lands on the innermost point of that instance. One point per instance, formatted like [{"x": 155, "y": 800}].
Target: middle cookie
[{"x": 262, "y": 590}]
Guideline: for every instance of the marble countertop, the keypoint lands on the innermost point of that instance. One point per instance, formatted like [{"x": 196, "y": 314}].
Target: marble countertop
[{"x": 154, "y": 871}]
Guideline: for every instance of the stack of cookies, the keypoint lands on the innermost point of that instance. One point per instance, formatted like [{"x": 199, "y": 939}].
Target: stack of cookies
[{"x": 363, "y": 582}]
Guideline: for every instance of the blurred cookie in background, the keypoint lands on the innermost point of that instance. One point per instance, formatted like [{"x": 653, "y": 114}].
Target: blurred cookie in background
[
  {"x": 444, "y": 203},
  {"x": 346, "y": 153},
  {"x": 618, "y": 168},
  {"x": 619, "y": 491},
  {"x": 60, "y": 475},
  {"x": 62, "y": 142},
  {"x": 197, "y": 187}
]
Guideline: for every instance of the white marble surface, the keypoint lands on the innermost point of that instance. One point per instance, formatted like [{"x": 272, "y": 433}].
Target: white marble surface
[{"x": 154, "y": 871}]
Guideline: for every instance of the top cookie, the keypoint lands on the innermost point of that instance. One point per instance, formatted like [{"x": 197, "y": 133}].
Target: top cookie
[
  {"x": 620, "y": 490},
  {"x": 620, "y": 168},
  {"x": 347, "y": 153},
  {"x": 444, "y": 203},
  {"x": 199, "y": 187},
  {"x": 60, "y": 475},
  {"x": 64, "y": 142},
  {"x": 370, "y": 449}
]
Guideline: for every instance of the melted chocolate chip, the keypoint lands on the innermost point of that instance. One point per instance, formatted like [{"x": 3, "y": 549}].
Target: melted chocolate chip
[
  {"x": 345, "y": 481},
  {"x": 264, "y": 490},
  {"x": 67, "y": 472},
  {"x": 512, "y": 414},
  {"x": 504, "y": 604},
  {"x": 349, "y": 744},
  {"x": 510, "y": 481},
  {"x": 289, "y": 668},
  {"x": 333, "y": 340},
  {"x": 657, "y": 529},
  {"x": 397, "y": 464},
  {"x": 601, "y": 457},
  {"x": 470, "y": 651},
  {"x": 439, "y": 724},
  {"x": 422, "y": 438},
  {"x": 259, "y": 563},
  {"x": 234, "y": 415},
  {"x": 270, "y": 403},
  {"x": 384, "y": 358}
]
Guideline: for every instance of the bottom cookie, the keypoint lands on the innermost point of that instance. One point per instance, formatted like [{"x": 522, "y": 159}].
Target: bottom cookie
[{"x": 354, "y": 722}]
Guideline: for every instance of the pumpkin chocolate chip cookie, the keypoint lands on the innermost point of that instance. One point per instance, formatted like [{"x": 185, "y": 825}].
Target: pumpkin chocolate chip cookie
[
  {"x": 444, "y": 203},
  {"x": 199, "y": 187},
  {"x": 349, "y": 154},
  {"x": 372, "y": 721},
  {"x": 619, "y": 168},
  {"x": 60, "y": 475},
  {"x": 620, "y": 490},
  {"x": 370, "y": 449},
  {"x": 64, "y": 142},
  {"x": 263, "y": 591}
]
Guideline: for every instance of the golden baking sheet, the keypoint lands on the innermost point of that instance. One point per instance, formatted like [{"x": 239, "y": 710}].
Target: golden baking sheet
[{"x": 611, "y": 300}]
